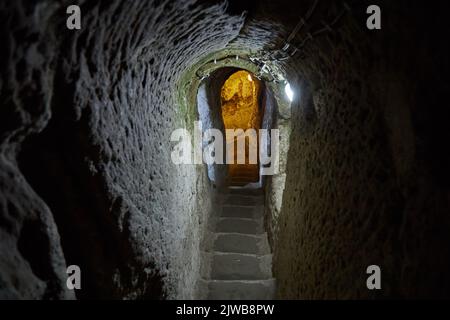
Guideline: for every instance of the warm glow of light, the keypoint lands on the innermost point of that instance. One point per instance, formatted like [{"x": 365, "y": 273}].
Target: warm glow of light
[
  {"x": 240, "y": 110},
  {"x": 289, "y": 92}
]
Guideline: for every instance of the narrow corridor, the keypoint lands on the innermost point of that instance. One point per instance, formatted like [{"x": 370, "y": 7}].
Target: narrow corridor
[{"x": 113, "y": 138}]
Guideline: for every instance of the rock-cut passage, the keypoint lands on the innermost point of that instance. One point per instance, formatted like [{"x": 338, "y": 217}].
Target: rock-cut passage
[
  {"x": 86, "y": 170},
  {"x": 241, "y": 261}
]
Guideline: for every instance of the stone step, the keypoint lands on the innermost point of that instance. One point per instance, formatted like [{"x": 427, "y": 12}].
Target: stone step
[
  {"x": 241, "y": 289},
  {"x": 243, "y": 200},
  {"x": 240, "y": 225},
  {"x": 246, "y": 191},
  {"x": 246, "y": 175},
  {"x": 246, "y": 212},
  {"x": 242, "y": 243},
  {"x": 243, "y": 181},
  {"x": 238, "y": 266}
]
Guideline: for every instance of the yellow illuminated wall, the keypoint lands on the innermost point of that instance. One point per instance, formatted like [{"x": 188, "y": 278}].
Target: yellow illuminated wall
[{"x": 240, "y": 110}]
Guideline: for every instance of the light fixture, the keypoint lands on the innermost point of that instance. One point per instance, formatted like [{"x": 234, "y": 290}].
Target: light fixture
[
  {"x": 249, "y": 77},
  {"x": 289, "y": 92}
]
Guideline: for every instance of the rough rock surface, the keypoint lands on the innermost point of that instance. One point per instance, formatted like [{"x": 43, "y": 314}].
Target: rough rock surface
[
  {"x": 85, "y": 171},
  {"x": 130, "y": 218},
  {"x": 31, "y": 261},
  {"x": 362, "y": 182}
]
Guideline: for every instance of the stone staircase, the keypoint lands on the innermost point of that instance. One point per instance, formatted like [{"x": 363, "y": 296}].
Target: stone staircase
[{"x": 239, "y": 262}]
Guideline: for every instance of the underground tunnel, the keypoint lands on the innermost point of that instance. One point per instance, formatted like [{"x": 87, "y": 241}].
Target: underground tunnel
[{"x": 345, "y": 164}]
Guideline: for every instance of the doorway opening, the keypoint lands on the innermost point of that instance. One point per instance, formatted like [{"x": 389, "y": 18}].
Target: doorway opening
[{"x": 241, "y": 115}]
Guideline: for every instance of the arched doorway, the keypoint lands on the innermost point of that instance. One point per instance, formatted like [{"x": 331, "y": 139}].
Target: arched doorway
[{"x": 241, "y": 114}]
